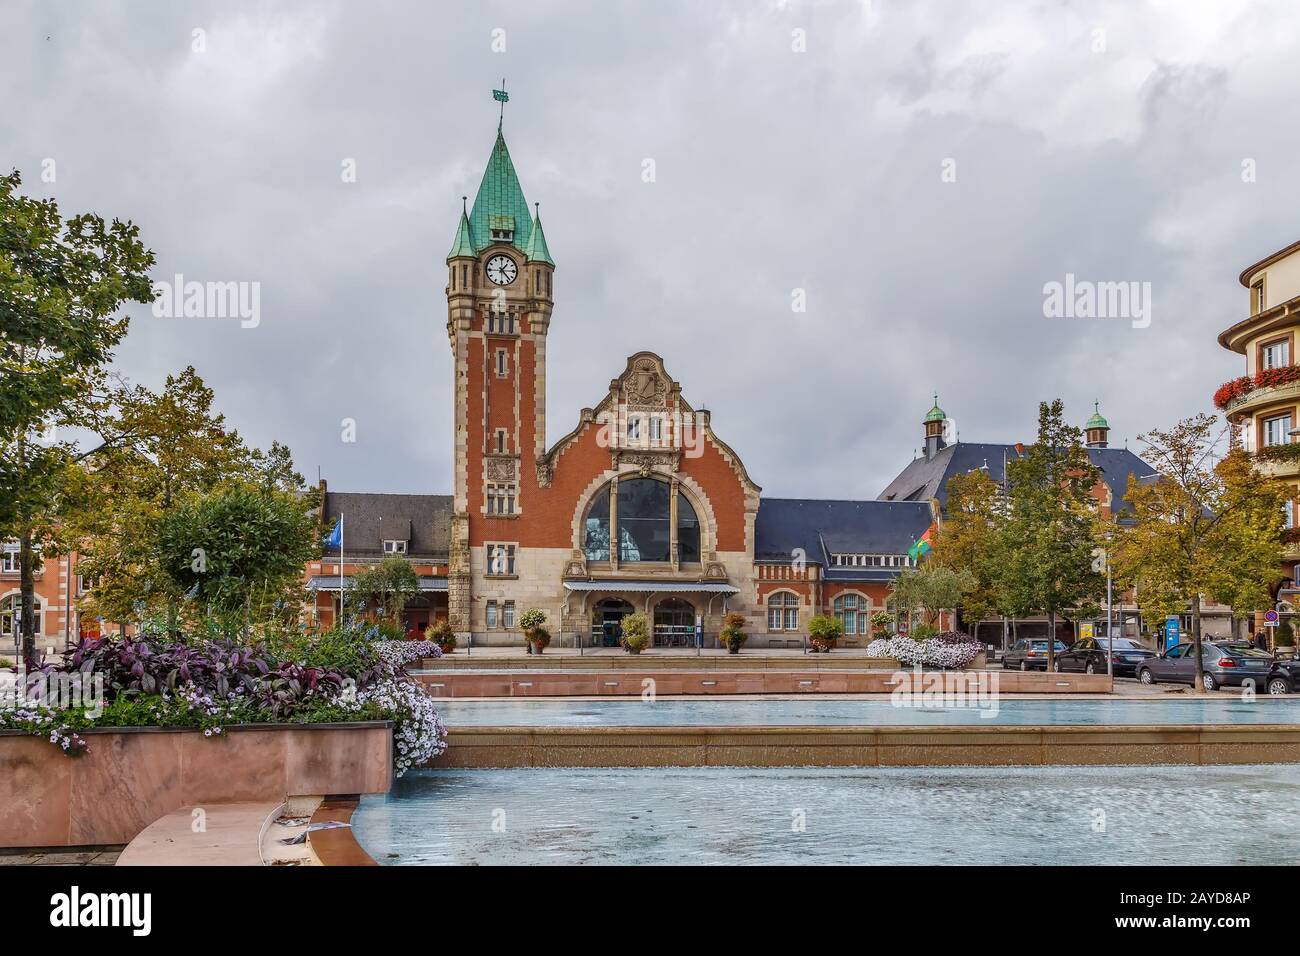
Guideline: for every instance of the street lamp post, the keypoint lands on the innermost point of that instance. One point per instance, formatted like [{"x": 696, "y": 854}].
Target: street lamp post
[{"x": 1110, "y": 628}]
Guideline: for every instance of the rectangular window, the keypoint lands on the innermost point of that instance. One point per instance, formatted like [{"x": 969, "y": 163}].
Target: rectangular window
[
  {"x": 774, "y": 619},
  {"x": 9, "y": 563},
  {"x": 508, "y": 614},
  {"x": 491, "y": 613},
  {"x": 1277, "y": 431},
  {"x": 1257, "y": 296},
  {"x": 393, "y": 546},
  {"x": 501, "y": 441},
  {"x": 502, "y": 364},
  {"x": 501, "y": 499},
  {"x": 500, "y": 559},
  {"x": 634, "y": 428},
  {"x": 792, "y": 619},
  {"x": 1288, "y": 515},
  {"x": 656, "y": 428},
  {"x": 1276, "y": 354}
]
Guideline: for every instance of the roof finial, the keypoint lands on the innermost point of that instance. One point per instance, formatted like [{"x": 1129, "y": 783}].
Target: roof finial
[
  {"x": 502, "y": 97},
  {"x": 463, "y": 207},
  {"x": 537, "y": 210}
]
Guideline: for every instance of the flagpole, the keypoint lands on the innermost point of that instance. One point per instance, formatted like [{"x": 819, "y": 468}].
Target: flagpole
[{"x": 341, "y": 532}]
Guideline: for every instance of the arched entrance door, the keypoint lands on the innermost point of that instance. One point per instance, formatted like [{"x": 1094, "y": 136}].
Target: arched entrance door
[
  {"x": 674, "y": 623},
  {"x": 607, "y": 622}
]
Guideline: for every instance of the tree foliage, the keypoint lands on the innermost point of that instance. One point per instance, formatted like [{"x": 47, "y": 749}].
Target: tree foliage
[
  {"x": 1051, "y": 533},
  {"x": 1200, "y": 528},
  {"x": 61, "y": 284},
  {"x": 238, "y": 552},
  {"x": 384, "y": 588},
  {"x": 971, "y": 538},
  {"x": 932, "y": 589}
]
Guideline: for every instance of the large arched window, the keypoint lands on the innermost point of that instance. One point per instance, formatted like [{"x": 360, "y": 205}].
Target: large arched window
[
  {"x": 643, "y": 513},
  {"x": 854, "y": 613}
]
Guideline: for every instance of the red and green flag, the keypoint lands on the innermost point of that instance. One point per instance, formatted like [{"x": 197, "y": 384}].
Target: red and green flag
[{"x": 923, "y": 546}]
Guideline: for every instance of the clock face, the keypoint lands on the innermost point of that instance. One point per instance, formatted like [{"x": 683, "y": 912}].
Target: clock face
[{"x": 502, "y": 270}]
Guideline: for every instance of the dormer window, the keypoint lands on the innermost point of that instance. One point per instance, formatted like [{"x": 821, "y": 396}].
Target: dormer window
[
  {"x": 501, "y": 228},
  {"x": 394, "y": 546}
]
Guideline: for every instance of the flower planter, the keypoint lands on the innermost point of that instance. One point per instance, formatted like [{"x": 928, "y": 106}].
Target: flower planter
[{"x": 130, "y": 777}]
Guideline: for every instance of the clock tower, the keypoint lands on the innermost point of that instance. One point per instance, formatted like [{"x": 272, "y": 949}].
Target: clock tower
[{"x": 499, "y": 298}]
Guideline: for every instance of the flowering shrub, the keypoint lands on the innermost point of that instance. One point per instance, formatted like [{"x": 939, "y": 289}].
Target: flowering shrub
[
  {"x": 1229, "y": 392},
  {"x": 401, "y": 653},
  {"x": 948, "y": 650},
  {"x": 209, "y": 685}
]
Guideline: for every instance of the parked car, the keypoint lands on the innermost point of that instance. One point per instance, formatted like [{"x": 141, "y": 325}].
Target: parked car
[
  {"x": 1222, "y": 663},
  {"x": 1029, "y": 654},
  {"x": 1283, "y": 677},
  {"x": 1088, "y": 654}
]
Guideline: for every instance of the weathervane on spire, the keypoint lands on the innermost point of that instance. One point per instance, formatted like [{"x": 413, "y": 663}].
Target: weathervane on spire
[{"x": 502, "y": 97}]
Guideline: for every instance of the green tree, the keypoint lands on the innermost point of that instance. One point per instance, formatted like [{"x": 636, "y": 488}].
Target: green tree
[
  {"x": 932, "y": 588},
  {"x": 386, "y": 588},
  {"x": 164, "y": 446},
  {"x": 1200, "y": 528},
  {"x": 1050, "y": 535},
  {"x": 238, "y": 552},
  {"x": 61, "y": 283},
  {"x": 970, "y": 537}
]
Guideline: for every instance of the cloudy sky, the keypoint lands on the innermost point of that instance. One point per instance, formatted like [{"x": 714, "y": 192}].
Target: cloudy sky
[{"x": 919, "y": 170}]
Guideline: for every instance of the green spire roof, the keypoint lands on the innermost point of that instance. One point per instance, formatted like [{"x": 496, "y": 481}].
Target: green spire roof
[
  {"x": 935, "y": 414},
  {"x": 500, "y": 203},
  {"x": 536, "y": 250},
  {"x": 464, "y": 243},
  {"x": 1097, "y": 421}
]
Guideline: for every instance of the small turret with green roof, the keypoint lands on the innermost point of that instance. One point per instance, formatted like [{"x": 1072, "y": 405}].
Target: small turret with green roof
[
  {"x": 935, "y": 423},
  {"x": 1097, "y": 429},
  {"x": 935, "y": 414},
  {"x": 536, "y": 250}
]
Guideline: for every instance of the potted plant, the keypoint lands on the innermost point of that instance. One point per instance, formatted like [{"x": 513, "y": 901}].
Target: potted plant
[
  {"x": 823, "y": 631},
  {"x": 733, "y": 636},
  {"x": 881, "y": 621},
  {"x": 442, "y": 635},
  {"x": 533, "y": 623},
  {"x": 636, "y": 633}
]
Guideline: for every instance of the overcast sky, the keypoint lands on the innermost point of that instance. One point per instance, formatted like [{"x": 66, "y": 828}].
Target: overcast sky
[{"x": 1106, "y": 140}]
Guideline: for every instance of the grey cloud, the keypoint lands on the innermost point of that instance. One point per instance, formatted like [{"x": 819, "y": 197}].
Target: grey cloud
[{"x": 776, "y": 170}]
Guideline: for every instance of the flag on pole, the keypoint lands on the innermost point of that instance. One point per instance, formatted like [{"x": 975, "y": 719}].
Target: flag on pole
[
  {"x": 923, "y": 546},
  {"x": 335, "y": 538}
]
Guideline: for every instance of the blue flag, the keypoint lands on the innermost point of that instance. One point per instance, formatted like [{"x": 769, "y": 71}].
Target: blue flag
[{"x": 335, "y": 538}]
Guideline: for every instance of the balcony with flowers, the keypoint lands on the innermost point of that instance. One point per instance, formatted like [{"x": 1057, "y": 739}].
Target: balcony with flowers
[{"x": 1252, "y": 392}]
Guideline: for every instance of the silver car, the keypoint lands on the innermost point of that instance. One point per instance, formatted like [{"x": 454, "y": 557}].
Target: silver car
[{"x": 1222, "y": 663}]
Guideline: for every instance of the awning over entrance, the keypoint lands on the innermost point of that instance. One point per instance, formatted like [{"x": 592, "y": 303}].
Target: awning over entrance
[
  {"x": 681, "y": 587},
  {"x": 330, "y": 582}
]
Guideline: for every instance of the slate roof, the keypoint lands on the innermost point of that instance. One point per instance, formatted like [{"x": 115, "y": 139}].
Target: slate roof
[
  {"x": 822, "y": 528},
  {"x": 370, "y": 519},
  {"x": 926, "y": 478}
]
